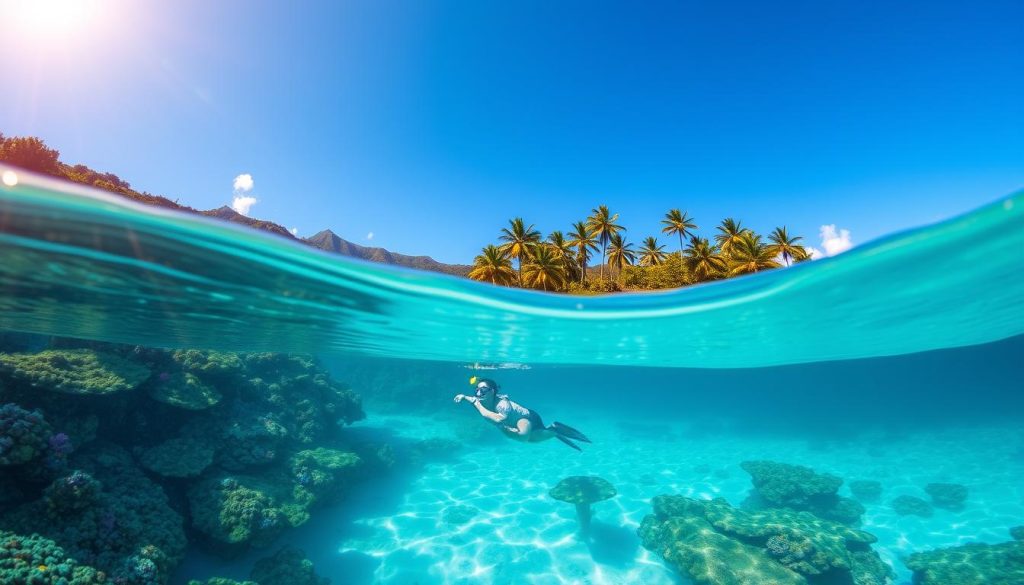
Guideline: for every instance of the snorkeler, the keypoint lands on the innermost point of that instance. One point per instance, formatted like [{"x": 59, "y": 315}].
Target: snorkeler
[{"x": 515, "y": 420}]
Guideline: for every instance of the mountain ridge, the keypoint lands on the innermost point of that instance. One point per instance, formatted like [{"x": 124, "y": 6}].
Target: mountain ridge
[{"x": 32, "y": 154}]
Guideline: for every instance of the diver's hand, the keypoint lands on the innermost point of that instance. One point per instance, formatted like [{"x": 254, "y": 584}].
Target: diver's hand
[{"x": 469, "y": 399}]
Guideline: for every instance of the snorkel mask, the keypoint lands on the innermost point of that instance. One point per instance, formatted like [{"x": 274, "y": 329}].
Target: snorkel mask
[{"x": 484, "y": 387}]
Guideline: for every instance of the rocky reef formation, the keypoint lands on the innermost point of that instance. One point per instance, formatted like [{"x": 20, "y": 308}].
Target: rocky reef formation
[
  {"x": 950, "y": 496},
  {"x": 288, "y": 566},
  {"x": 971, "y": 564},
  {"x": 583, "y": 491},
  {"x": 795, "y": 487},
  {"x": 911, "y": 506},
  {"x": 112, "y": 458},
  {"x": 866, "y": 490},
  {"x": 713, "y": 543}
]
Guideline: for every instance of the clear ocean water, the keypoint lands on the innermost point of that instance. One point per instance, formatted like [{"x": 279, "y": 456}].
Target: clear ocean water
[{"x": 897, "y": 362}]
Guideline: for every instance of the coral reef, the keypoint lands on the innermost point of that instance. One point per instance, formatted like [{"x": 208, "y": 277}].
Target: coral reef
[
  {"x": 781, "y": 485},
  {"x": 245, "y": 445},
  {"x": 320, "y": 472},
  {"x": 241, "y": 509},
  {"x": 866, "y": 490},
  {"x": 289, "y": 566},
  {"x": 34, "y": 560},
  {"x": 178, "y": 457},
  {"x": 772, "y": 545},
  {"x": 582, "y": 491},
  {"x": 24, "y": 435},
  {"x": 970, "y": 564},
  {"x": 184, "y": 390},
  {"x": 706, "y": 557},
  {"x": 74, "y": 371},
  {"x": 950, "y": 496},
  {"x": 214, "y": 364},
  {"x": 119, "y": 523},
  {"x": 911, "y": 505},
  {"x": 236, "y": 509},
  {"x": 72, "y": 493}
]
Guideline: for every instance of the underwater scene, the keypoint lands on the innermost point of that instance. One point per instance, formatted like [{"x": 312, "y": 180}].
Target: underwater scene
[{"x": 183, "y": 401}]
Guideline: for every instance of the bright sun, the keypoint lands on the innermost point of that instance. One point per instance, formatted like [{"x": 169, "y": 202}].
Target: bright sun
[{"x": 51, "y": 19}]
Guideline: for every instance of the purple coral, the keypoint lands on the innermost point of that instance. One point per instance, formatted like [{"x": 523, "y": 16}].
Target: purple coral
[{"x": 60, "y": 447}]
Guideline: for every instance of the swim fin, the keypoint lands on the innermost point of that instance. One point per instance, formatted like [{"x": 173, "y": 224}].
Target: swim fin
[
  {"x": 564, "y": 430},
  {"x": 568, "y": 442}
]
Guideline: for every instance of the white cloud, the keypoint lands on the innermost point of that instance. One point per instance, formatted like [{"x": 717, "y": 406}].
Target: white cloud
[
  {"x": 835, "y": 241},
  {"x": 815, "y": 253},
  {"x": 294, "y": 231},
  {"x": 243, "y": 183},
  {"x": 369, "y": 236},
  {"x": 243, "y": 203}
]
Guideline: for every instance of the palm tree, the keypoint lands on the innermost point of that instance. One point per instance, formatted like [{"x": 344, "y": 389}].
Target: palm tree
[
  {"x": 545, "y": 270},
  {"x": 729, "y": 234},
  {"x": 602, "y": 223},
  {"x": 703, "y": 259},
  {"x": 557, "y": 241},
  {"x": 562, "y": 249},
  {"x": 620, "y": 253},
  {"x": 651, "y": 253},
  {"x": 749, "y": 255},
  {"x": 493, "y": 266},
  {"x": 519, "y": 242},
  {"x": 678, "y": 222},
  {"x": 784, "y": 245},
  {"x": 584, "y": 241}
]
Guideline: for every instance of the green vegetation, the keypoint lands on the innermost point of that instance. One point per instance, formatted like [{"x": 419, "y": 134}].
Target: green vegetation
[
  {"x": 32, "y": 154},
  {"x": 562, "y": 262},
  {"x": 523, "y": 257}
]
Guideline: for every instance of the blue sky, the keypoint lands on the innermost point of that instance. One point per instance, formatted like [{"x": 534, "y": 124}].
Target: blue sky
[{"x": 430, "y": 124}]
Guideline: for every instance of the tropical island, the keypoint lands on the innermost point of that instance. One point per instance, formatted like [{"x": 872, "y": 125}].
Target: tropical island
[{"x": 523, "y": 257}]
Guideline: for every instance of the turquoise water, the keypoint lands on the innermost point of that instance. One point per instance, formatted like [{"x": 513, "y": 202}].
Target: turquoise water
[{"x": 896, "y": 362}]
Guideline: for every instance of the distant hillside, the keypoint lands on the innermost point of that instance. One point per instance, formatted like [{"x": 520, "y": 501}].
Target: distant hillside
[
  {"x": 331, "y": 242},
  {"x": 32, "y": 154}
]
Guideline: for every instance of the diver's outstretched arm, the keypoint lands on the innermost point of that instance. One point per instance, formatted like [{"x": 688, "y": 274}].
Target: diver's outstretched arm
[{"x": 484, "y": 412}]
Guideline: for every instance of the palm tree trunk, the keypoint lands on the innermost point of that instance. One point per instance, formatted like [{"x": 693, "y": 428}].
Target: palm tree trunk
[
  {"x": 604, "y": 258},
  {"x": 680, "y": 244}
]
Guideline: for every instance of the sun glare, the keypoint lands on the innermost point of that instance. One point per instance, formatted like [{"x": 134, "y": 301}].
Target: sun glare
[{"x": 51, "y": 19}]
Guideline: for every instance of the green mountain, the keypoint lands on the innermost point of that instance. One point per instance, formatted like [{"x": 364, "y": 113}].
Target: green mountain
[{"x": 32, "y": 154}]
